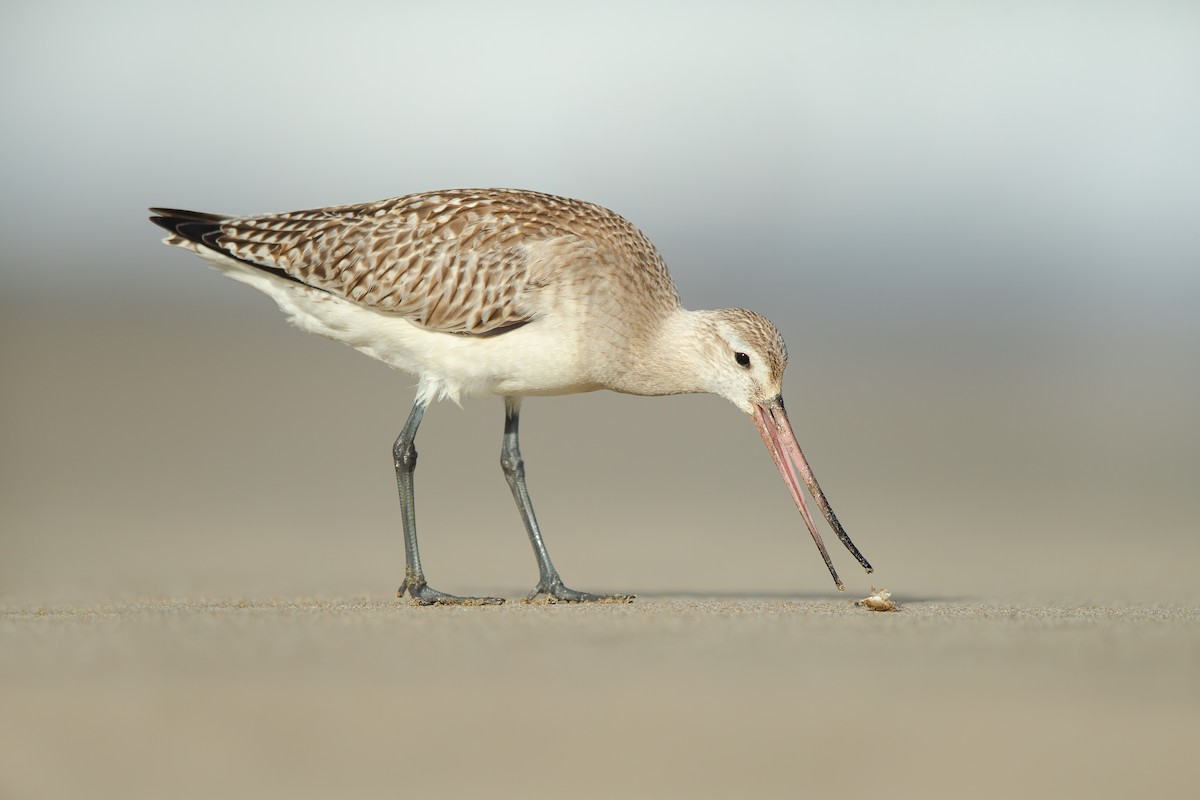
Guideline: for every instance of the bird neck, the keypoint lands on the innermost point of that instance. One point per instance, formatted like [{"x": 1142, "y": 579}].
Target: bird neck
[{"x": 673, "y": 359}]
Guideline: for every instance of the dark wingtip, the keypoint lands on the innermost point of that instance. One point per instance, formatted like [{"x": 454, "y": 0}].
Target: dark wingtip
[
  {"x": 187, "y": 216},
  {"x": 175, "y": 219},
  {"x": 195, "y": 226},
  {"x": 205, "y": 230}
]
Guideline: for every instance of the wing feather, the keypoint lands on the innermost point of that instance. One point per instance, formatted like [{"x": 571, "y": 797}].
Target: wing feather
[{"x": 458, "y": 261}]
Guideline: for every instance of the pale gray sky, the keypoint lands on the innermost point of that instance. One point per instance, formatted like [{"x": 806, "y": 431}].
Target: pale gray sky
[{"x": 861, "y": 152}]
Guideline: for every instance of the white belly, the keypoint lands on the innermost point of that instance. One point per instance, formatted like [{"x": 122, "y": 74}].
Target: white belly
[{"x": 540, "y": 358}]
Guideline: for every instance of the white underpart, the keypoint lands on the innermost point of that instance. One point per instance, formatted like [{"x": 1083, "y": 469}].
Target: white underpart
[{"x": 540, "y": 358}]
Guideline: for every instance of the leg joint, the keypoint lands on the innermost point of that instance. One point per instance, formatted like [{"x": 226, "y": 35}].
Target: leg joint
[
  {"x": 404, "y": 451},
  {"x": 512, "y": 463}
]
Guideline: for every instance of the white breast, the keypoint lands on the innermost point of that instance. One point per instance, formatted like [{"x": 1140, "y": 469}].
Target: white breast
[{"x": 543, "y": 357}]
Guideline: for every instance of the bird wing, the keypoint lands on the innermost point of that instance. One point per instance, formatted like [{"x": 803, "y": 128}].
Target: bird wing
[
  {"x": 456, "y": 262},
  {"x": 468, "y": 261}
]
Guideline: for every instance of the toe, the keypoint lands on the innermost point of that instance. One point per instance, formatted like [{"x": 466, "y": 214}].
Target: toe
[
  {"x": 558, "y": 593},
  {"x": 425, "y": 595}
]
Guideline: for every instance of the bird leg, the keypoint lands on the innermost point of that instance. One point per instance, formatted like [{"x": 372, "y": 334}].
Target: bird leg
[
  {"x": 549, "y": 584},
  {"x": 405, "y": 453}
]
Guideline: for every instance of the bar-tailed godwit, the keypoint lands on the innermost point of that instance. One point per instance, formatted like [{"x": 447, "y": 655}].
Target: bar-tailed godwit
[{"x": 511, "y": 293}]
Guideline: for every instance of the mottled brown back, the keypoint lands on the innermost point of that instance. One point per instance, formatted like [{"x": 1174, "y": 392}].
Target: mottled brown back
[{"x": 470, "y": 261}]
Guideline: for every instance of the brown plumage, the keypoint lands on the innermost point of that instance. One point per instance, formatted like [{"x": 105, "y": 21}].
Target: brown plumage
[
  {"x": 459, "y": 261},
  {"x": 505, "y": 292}
]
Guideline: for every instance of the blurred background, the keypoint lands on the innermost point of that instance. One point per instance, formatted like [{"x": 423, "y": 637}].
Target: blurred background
[{"x": 975, "y": 225}]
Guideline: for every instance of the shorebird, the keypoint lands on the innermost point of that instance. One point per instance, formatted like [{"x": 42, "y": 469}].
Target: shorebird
[{"x": 510, "y": 293}]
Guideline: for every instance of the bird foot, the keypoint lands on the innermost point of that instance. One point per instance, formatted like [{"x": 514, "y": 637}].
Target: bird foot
[
  {"x": 555, "y": 592},
  {"x": 423, "y": 595}
]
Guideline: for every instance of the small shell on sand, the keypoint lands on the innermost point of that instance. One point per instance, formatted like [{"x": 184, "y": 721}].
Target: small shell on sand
[{"x": 878, "y": 601}]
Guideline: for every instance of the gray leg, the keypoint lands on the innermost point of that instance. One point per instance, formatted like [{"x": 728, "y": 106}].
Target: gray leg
[
  {"x": 549, "y": 584},
  {"x": 405, "y": 453}
]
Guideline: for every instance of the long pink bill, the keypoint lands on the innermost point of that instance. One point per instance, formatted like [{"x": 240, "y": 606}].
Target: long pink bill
[{"x": 772, "y": 422}]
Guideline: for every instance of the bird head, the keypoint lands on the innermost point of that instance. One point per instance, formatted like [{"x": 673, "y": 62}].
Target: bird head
[
  {"x": 747, "y": 356},
  {"x": 748, "y": 359}
]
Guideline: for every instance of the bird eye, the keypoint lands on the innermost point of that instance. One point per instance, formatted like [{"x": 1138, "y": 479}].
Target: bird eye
[{"x": 742, "y": 359}]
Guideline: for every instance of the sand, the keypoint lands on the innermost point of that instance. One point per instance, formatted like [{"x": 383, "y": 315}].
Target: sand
[
  {"x": 667, "y": 697},
  {"x": 201, "y": 544}
]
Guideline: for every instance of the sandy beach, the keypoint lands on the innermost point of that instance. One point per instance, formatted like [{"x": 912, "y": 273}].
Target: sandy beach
[
  {"x": 666, "y": 697},
  {"x": 197, "y": 598}
]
